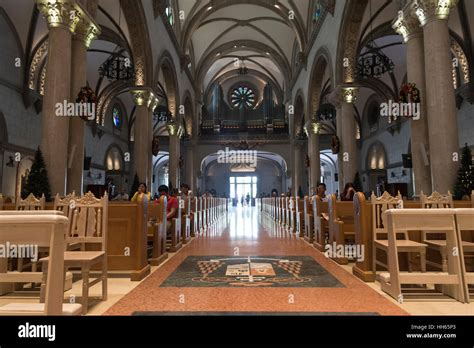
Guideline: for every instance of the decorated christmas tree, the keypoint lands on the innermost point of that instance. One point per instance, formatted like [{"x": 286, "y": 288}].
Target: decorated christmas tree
[
  {"x": 37, "y": 182},
  {"x": 135, "y": 184},
  {"x": 357, "y": 183},
  {"x": 465, "y": 180}
]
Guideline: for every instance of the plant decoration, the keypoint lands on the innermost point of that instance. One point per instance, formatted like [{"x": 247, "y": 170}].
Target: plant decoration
[
  {"x": 37, "y": 182},
  {"x": 86, "y": 95},
  {"x": 409, "y": 93}
]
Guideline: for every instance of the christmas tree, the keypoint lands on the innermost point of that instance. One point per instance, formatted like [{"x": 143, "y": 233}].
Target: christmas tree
[
  {"x": 135, "y": 184},
  {"x": 465, "y": 180},
  {"x": 37, "y": 182},
  {"x": 357, "y": 183}
]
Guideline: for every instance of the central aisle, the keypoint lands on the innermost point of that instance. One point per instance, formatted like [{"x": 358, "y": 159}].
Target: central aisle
[{"x": 246, "y": 263}]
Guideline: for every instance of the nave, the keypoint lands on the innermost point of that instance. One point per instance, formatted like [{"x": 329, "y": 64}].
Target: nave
[{"x": 246, "y": 231}]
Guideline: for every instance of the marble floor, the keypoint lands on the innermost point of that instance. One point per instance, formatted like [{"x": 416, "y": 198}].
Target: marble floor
[{"x": 244, "y": 236}]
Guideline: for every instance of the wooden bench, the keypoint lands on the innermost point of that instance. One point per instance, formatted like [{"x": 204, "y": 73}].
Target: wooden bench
[
  {"x": 403, "y": 220},
  {"x": 185, "y": 205},
  {"x": 157, "y": 231},
  {"x": 320, "y": 222},
  {"x": 300, "y": 216},
  {"x": 341, "y": 225},
  {"x": 465, "y": 229},
  {"x": 42, "y": 230},
  {"x": 174, "y": 242},
  {"x": 308, "y": 220}
]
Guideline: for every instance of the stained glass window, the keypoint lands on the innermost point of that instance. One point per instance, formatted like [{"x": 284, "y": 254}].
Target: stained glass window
[
  {"x": 169, "y": 15},
  {"x": 243, "y": 96},
  {"x": 116, "y": 117}
]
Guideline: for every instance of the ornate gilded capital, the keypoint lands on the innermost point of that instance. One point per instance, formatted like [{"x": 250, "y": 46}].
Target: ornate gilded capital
[
  {"x": 428, "y": 10},
  {"x": 60, "y": 13},
  {"x": 349, "y": 94},
  {"x": 143, "y": 96},
  {"x": 407, "y": 24},
  {"x": 313, "y": 127}
]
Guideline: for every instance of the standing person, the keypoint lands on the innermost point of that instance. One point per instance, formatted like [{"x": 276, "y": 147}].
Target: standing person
[
  {"x": 348, "y": 193},
  {"x": 171, "y": 207},
  {"x": 247, "y": 199},
  {"x": 141, "y": 190}
]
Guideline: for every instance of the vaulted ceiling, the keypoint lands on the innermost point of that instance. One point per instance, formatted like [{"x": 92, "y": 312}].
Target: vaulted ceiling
[{"x": 219, "y": 36}]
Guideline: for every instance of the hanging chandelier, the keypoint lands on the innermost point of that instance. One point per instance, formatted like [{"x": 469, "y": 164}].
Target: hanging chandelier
[
  {"x": 374, "y": 63},
  {"x": 162, "y": 114},
  {"x": 243, "y": 70},
  {"x": 117, "y": 68}
]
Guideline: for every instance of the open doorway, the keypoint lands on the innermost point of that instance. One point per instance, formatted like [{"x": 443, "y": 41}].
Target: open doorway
[{"x": 243, "y": 190}]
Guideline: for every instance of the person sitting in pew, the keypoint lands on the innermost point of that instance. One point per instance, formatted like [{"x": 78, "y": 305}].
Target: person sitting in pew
[
  {"x": 122, "y": 196},
  {"x": 141, "y": 190},
  {"x": 171, "y": 207},
  {"x": 321, "y": 192},
  {"x": 348, "y": 193}
]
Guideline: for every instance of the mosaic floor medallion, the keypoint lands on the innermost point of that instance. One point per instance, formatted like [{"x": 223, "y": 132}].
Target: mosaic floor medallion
[{"x": 251, "y": 271}]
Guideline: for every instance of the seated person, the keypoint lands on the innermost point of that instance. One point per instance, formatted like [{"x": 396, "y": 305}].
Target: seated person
[
  {"x": 141, "y": 191},
  {"x": 321, "y": 192},
  {"x": 171, "y": 207},
  {"x": 348, "y": 193},
  {"x": 122, "y": 196}
]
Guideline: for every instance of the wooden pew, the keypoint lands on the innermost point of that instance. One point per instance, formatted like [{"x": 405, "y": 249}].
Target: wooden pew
[
  {"x": 320, "y": 222},
  {"x": 308, "y": 220},
  {"x": 43, "y": 230},
  {"x": 127, "y": 238},
  {"x": 402, "y": 220},
  {"x": 193, "y": 216},
  {"x": 157, "y": 231},
  {"x": 363, "y": 269},
  {"x": 174, "y": 242},
  {"x": 300, "y": 216},
  {"x": 292, "y": 214},
  {"x": 341, "y": 224},
  {"x": 185, "y": 205},
  {"x": 465, "y": 229}
]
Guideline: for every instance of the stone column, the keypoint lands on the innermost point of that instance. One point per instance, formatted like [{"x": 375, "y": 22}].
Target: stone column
[
  {"x": 174, "y": 131},
  {"x": 298, "y": 167},
  {"x": 86, "y": 32},
  {"x": 145, "y": 101},
  {"x": 407, "y": 25},
  {"x": 62, "y": 19},
  {"x": 313, "y": 128},
  {"x": 348, "y": 151},
  {"x": 440, "y": 99}
]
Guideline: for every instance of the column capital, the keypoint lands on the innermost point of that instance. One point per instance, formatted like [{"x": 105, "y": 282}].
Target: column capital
[
  {"x": 144, "y": 96},
  {"x": 61, "y": 13},
  {"x": 344, "y": 94},
  {"x": 428, "y": 10},
  {"x": 407, "y": 24},
  {"x": 174, "y": 128},
  {"x": 87, "y": 29},
  {"x": 313, "y": 127}
]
